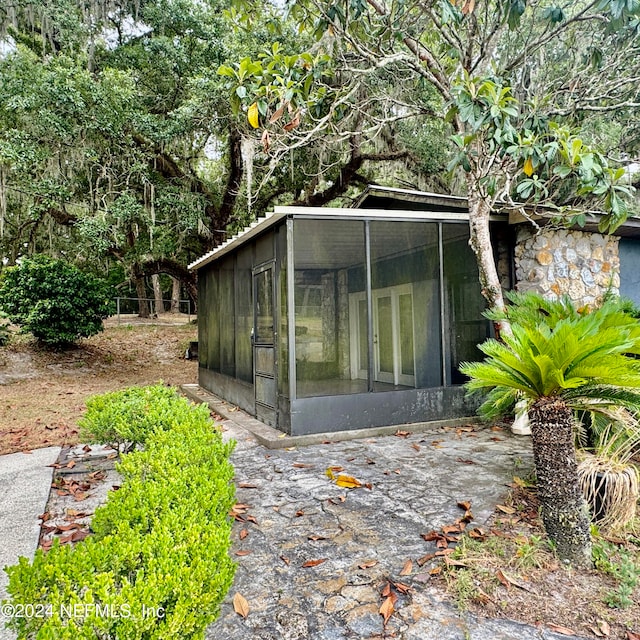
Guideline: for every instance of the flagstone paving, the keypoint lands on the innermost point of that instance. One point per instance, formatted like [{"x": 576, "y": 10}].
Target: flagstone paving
[{"x": 313, "y": 557}]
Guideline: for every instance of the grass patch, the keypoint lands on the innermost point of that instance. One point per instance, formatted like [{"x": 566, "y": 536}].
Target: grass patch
[{"x": 512, "y": 571}]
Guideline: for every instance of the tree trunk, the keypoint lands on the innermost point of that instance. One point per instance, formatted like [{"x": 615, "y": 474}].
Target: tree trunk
[
  {"x": 175, "y": 295},
  {"x": 157, "y": 293},
  {"x": 480, "y": 242},
  {"x": 564, "y": 511},
  {"x": 141, "y": 292}
]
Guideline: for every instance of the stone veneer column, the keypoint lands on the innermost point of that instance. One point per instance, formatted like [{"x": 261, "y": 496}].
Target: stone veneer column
[{"x": 555, "y": 262}]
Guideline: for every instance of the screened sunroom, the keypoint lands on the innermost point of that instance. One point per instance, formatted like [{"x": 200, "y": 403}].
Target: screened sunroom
[{"x": 318, "y": 320}]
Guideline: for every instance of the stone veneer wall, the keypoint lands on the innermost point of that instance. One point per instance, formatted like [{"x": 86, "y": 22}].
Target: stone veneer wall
[{"x": 555, "y": 262}]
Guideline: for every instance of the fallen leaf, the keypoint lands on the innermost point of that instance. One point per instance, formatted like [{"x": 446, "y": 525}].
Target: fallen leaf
[
  {"x": 240, "y": 605},
  {"x": 387, "y": 608},
  {"x": 402, "y": 587},
  {"x": 416, "y": 446},
  {"x": 67, "y": 527},
  {"x": 502, "y": 579},
  {"x": 508, "y": 580},
  {"x": 71, "y": 464},
  {"x": 478, "y": 534},
  {"x": 386, "y": 590},
  {"x": 348, "y": 482},
  {"x": 632, "y": 636},
  {"x": 368, "y": 564},
  {"x": 285, "y": 560},
  {"x": 402, "y": 434},
  {"x": 604, "y": 627},
  {"x": 315, "y": 538},
  {"x": 463, "y": 461},
  {"x": 450, "y": 562},
  {"x": 247, "y": 485},
  {"x": 452, "y": 528},
  {"x": 243, "y": 534},
  {"x": 86, "y": 448},
  {"x": 302, "y": 465},
  {"x": 431, "y": 536},
  {"x": 565, "y": 631},
  {"x": 483, "y": 596},
  {"x": 75, "y": 513},
  {"x": 407, "y": 568},
  {"x": 242, "y": 552},
  {"x": 464, "y": 504},
  {"x": 505, "y": 509},
  {"x": 424, "y": 559},
  {"x": 435, "y": 571},
  {"x": 299, "y": 513},
  {"x": 313, "y": 563},
  {"x": 436, "y": 444}
]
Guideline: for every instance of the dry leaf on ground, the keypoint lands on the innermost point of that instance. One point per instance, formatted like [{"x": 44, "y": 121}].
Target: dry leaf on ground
[{"x": 240, "y": 605}]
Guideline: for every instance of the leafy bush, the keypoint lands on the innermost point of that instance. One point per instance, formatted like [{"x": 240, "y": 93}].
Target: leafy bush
[
  {"x": 54, "y": 300},
  {"x": 132, "y": 415},
  {"x": 158, "y": 565},
  {"x": 4, "y": 331}
]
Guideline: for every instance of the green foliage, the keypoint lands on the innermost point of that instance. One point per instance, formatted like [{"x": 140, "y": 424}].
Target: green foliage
[
  {"x": 54, "y": 300},
  {"x": 619, "y": 563},
  {"x": 132, "y": 415},
  {"x": 4, "y": 331},
  {"x": 557, "y": 350},
  {"x": 546, "y": 154},
  {"x": 278, "y": 86},
  {"x": 158, "y": 565}
]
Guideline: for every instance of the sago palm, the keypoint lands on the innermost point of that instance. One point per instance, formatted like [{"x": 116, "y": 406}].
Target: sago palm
[{"x": 560, "y": 359}]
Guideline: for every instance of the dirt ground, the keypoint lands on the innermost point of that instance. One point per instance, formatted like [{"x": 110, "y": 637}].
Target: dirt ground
[{"x": 43, "y": 393}]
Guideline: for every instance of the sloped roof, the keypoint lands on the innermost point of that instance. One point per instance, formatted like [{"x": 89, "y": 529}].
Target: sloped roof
[{"x": 433, "y": 206}]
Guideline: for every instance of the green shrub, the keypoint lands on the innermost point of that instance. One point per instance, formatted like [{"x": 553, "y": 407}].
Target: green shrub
[
  {"x": 160, "y": 542},
  {"x": 4, "y": 331},
  {"x": 54, "y": 300},
  {"x": 132, "y": 415}
]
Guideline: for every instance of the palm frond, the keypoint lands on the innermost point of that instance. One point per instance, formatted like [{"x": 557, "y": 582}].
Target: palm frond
[{"x": 556, "y": 350}]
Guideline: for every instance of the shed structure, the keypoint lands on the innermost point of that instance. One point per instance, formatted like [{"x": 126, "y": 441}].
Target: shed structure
[{"x": 321, "y": 319}]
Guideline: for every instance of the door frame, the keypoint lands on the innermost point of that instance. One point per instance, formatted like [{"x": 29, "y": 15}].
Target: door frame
[
  {"x": 393, "y": 292},
  {"x": 265, "y": 383}
]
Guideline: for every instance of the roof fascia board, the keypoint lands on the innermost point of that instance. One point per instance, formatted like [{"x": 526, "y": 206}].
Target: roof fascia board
[
  {"x": 249, "y": 232},
  {"x": 331, "y": 213},
  {"x": 413, "y": 195}
]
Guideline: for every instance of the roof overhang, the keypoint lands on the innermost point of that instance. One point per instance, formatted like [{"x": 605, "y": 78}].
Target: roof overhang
[
  {"x": 412, "y": 205},
  {"x": 423, "y": 198},
  {"x": 460, "y": 214}
]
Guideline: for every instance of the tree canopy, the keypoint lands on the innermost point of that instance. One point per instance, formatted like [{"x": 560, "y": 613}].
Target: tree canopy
[
  {"x": 540, "y": 98},
  {"x": 118, "y": 142},
  {"x": 139, "y": 132}
]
